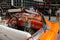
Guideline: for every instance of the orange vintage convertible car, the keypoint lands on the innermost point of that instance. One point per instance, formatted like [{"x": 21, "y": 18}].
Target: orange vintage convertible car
[{"x": 39, "y": 27}]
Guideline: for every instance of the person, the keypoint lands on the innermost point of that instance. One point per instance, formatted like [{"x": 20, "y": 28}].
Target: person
[
  {"x": 49, "y": 11},
  {"x": 32, "y": 9},
  {"x": 57, "y": 14}
]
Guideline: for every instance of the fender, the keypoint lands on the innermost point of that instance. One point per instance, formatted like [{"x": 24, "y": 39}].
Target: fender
[{"x": 50, "y": 34}]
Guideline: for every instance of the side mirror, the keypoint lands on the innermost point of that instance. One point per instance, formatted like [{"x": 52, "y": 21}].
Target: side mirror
[{"x": 46, "y": 27}]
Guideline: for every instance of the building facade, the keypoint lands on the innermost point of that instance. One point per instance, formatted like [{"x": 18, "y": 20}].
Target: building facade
[{"x": 19, "y": 3}]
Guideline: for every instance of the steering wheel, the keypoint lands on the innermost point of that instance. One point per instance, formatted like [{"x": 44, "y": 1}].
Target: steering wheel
[{"x": 13, "y": 22}]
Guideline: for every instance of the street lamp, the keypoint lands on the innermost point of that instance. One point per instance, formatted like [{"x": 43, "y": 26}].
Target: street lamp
[{"x": 21, "y": 3}]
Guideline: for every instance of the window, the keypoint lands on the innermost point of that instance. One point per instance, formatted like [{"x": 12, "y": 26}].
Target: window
[{"x": 17, "y": 3}]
